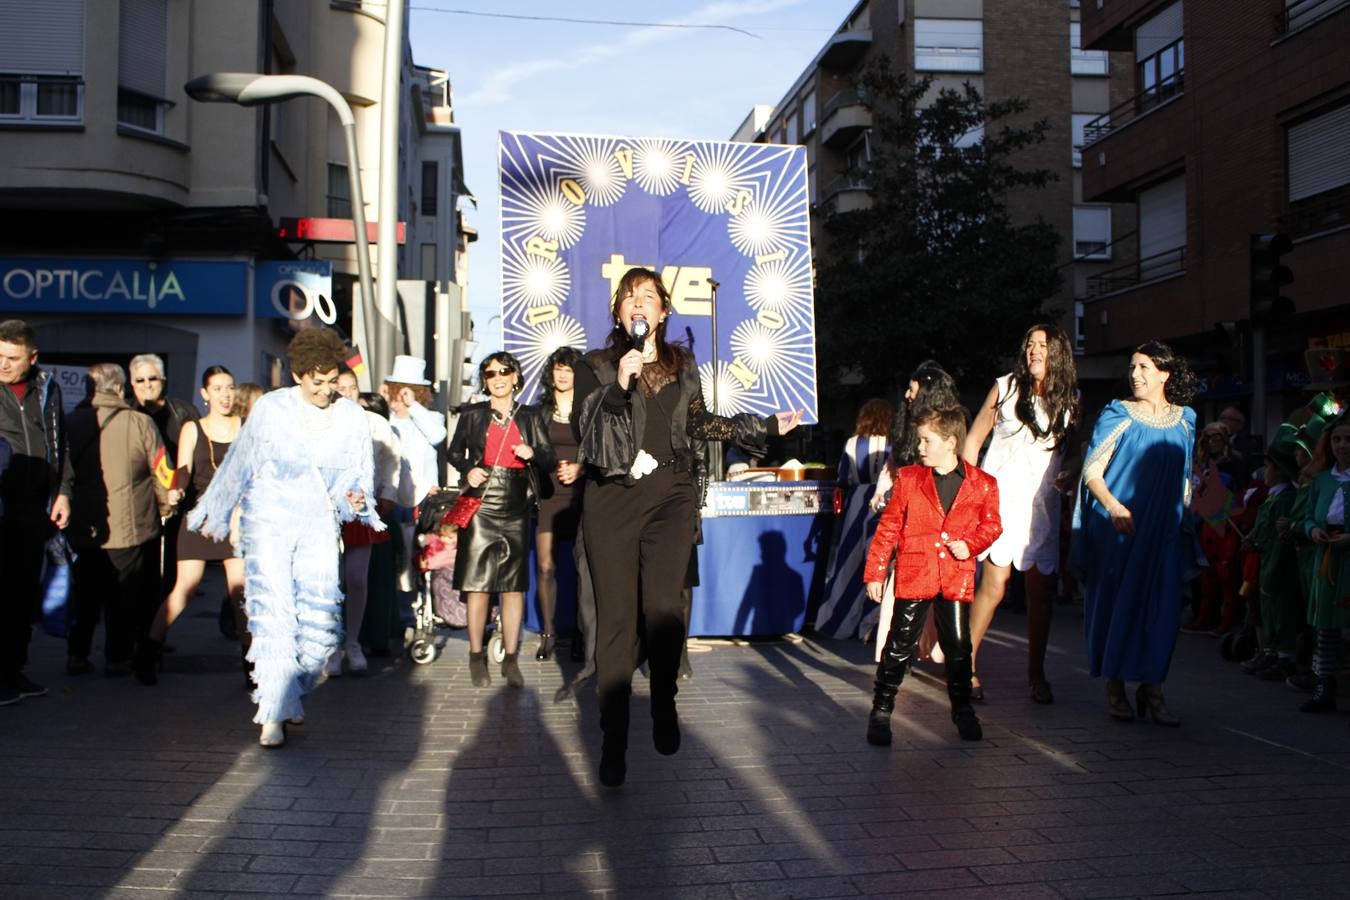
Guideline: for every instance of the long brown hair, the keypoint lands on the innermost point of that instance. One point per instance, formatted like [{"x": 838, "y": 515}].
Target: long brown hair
[
  {"x": 874, "y": 418},
  {"x": 1059, "y": 388},
  {"x": 669, "y": 357}
]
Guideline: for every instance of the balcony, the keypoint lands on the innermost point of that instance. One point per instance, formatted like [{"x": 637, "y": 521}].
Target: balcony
[
  {"x": 1329, "y": 211},
  {"x": 1139, "y": 105},
  {"x": 849, "y": 192},
  {"x": 845, "y": 50},
  {"x": 1141, "y": 271},
  {"x": 843, "y": 117},
  {"x": 1301, "y": 13}
]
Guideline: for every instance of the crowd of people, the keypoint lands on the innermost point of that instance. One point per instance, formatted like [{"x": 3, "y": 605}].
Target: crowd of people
[
  {"x": 941, "y": 511},
  {"x": 1146, "y": 515}
]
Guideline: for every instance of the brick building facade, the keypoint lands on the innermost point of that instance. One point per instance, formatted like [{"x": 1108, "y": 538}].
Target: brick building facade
[{"x": 1236, "y": 122}]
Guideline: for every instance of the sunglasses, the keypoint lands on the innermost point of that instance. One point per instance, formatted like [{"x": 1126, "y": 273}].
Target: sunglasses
[
  {"x": 143, "y": 380},
  {"x": 494, "y": 373}
]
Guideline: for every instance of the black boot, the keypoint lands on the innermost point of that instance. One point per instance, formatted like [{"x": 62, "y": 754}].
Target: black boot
[
  {"x": 967, "y": 724},
  {"x": 614, "y": 728},
  {"x": 478, "y": 669},
  {"x": 511, "y": 670},
  {"x": 879, "y": 722},
  {"x": 1323, "y": 697}
]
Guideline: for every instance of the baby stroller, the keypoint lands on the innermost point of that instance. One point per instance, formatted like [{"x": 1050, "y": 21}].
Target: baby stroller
[{"x": 438, "y": 603}]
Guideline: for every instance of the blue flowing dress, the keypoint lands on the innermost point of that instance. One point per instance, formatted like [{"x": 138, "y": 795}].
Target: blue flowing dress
[
  {"x": 846, "y": 602},
  {"x": 1134, "y": 584}
]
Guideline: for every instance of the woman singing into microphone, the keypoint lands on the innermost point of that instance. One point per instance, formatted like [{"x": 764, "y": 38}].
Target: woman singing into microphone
[{"x": 643, "y": 405}]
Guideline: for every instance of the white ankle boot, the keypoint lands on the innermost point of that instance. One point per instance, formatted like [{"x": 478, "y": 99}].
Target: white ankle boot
[
  {"x": 333, "y": 668},
  {"x": 273, "y": 735},
  {"x": 356, "y": 660}
]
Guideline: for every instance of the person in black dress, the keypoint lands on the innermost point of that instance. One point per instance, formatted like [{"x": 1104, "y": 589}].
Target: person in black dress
[
  {"x": 500, "y": 448},
  {"x": 642, "y": 406},
  {"x": 202, "y": 445},
  {"x": 560, "y": 508}
]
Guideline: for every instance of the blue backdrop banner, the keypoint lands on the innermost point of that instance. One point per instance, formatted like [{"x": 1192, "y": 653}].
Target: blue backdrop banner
[{"x": 579, "y": 211}]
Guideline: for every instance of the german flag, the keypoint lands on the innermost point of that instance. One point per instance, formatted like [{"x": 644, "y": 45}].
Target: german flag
[{"x": 355, "y": 362}]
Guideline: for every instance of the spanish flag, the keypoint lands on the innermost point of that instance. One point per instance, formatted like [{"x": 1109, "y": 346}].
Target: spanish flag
[
  {"x": 163, "y": 471},
  {"x": 169, "y": 477}
]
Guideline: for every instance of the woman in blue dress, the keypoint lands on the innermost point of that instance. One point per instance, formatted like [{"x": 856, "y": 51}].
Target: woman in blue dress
[
  {"x": 863, "y": 461},
  {"x": 1131, "y": 538}
]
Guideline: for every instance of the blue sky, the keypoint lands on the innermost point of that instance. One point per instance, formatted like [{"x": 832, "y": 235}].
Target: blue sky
[{"x": 517, "y": 75}]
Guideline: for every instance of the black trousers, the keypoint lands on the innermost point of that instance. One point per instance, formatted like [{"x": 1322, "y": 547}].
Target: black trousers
[
  {"x": 23, "y": 538},
  {"x": 638, "y": 540},
  {"x": 123, "y": 585},
  {"x": 953, "y": 628}
]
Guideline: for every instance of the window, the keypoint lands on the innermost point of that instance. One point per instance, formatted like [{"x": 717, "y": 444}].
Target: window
[
  {"x": 948, "y": 45},
  {"x": 809, "y": 112},
  {"x": 811, "y": 185},
  {"x": 430, "y": 185},
  {"x": 339, "y": 192},
  {"x": 42, "y": 55},
  {"x": 1084, "y": 62},
  {"x": 792, "y": 126},
  {"x": 1319, "y": 154},
  {"x": 970, "y": 138},
  {"x": 858, "y": 158},
  {"x": 1080, "y": 121},
  {"x": 1304, "y": 12},
  {"x": 1092, "y": 232},
  {"x": 143, "y": 40},
  {"x": 429, "y": 263},
  {"x": 1160, "y": 51},
  {"x": 1162, "y": 228}
]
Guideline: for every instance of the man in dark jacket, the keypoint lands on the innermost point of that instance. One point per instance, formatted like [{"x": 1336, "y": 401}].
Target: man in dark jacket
[
  {"x": 35, "y": 490},
  {"x": 170, "y": 414}
]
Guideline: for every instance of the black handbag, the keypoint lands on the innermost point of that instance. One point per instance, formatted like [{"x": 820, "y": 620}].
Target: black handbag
[{"x": 434, "y": 508}]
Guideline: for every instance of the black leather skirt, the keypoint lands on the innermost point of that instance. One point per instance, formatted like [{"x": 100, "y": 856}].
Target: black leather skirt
[{"x": 493, "y": 552}]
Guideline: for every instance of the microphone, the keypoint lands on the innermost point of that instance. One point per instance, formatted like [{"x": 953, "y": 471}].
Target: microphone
[{"x": 640, "y": 331}]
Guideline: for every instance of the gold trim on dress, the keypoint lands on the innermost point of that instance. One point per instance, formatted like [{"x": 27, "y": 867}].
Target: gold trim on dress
[
  {"x": 1166, "y": 419},
  {"x": 1100, "y": 458}
]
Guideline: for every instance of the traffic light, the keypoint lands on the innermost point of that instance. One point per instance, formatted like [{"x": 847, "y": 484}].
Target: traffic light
[{"x": 1268, "y": 276}]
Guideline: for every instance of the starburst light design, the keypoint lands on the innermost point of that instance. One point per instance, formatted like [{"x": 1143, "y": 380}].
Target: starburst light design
[{"x": 533, "y": 344}]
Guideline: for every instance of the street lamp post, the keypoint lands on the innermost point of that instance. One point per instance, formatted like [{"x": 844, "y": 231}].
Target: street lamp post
[{"x": 251, "y": 89}]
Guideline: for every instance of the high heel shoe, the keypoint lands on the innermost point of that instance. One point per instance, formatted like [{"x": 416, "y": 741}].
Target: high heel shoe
[
  {"x": 273, "y": 735},
  {"x": 976, "y": 689},
  {"x": 546, "y": 644},
  {"x": 1149, "y": 699},
  {"x": 1116, "y": 705}
]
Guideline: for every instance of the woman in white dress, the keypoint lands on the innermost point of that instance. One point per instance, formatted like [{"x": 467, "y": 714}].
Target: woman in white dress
[{"x": 1031, "y": 412}]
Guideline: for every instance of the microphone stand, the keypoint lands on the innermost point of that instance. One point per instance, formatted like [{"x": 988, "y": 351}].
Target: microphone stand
[{"x": 715, "y": 447}]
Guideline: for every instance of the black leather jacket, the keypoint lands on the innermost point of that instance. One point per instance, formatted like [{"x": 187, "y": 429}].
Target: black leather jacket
[
  {"x": 40, "y": 467},
  {"x": 467, "y": 446},
  {"x": 612, "y": 420}
]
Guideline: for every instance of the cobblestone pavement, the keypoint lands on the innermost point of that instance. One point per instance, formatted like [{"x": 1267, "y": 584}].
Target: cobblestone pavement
[{"x": 408, "y": 782}]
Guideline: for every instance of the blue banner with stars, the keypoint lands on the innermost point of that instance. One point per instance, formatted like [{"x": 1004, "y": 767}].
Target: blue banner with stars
[{"x": 578, "y": 211}]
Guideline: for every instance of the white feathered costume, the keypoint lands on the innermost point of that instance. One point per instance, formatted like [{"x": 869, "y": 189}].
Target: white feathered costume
[{"x": 290, "y": 470}]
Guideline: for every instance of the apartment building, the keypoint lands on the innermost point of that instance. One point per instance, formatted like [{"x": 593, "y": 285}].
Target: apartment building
[
  {"x": 1006, "y": 48},
  {"x": 135, "y": 219},
  {"x": 1237, "y": 123}
]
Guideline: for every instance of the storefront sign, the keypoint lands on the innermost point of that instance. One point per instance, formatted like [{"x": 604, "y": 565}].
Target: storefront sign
[
  {"x": 166, "y": 286},
  {"x": 294, "y": 289}
]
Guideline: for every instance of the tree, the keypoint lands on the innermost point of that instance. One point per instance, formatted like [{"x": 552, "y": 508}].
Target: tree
[{"x": 935, "y": 268}]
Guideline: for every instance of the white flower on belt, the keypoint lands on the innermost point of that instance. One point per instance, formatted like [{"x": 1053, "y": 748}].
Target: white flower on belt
[{"x": 645, "y": 464}]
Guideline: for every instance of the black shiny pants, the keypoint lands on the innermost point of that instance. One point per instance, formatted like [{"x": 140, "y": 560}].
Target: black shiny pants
[{"x": 953, "y": 628}]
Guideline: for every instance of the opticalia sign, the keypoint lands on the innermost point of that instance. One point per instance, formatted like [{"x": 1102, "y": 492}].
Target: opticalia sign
[{"x": 165, "y": 286}]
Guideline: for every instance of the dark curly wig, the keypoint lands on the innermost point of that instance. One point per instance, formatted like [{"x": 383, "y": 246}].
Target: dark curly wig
[
  {"x": 1181, "y": 385},
  {"x": 316, "y": 350},
  {"x": 1059, "y": 388},
  {"x": 563, "y": 356},
  {"x": 507, "y": 361}
]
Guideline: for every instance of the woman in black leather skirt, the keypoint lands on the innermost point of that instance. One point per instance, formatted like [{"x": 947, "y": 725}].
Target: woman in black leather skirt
[
  {"x": 501, "y": 449},
  {"x": 642, "y": 406}
]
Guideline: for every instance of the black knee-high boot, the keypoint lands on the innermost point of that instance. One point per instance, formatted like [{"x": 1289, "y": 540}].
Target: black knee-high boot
[
  {"x": 906, "y": 625},
  {"x": 953, "y": 627}
]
